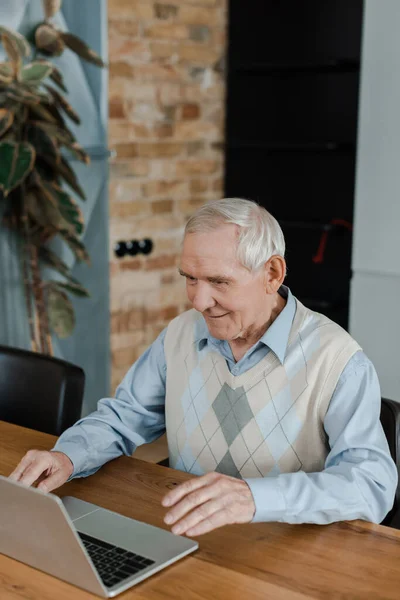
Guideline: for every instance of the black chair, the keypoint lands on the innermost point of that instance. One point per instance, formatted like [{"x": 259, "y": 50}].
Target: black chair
[
  {"x": 390, "y": 419},
  {"x": 38, "y": 391}
]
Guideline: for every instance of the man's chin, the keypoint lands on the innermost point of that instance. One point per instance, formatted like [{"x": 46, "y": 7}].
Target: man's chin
[{"x": 219, "y": 332}]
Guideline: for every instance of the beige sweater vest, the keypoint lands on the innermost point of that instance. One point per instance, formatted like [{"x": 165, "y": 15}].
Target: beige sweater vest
[{"x": 267, "y": 421}]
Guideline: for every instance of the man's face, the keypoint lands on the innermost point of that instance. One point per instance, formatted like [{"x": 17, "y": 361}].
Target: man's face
[{"x": 232, "y": 300}]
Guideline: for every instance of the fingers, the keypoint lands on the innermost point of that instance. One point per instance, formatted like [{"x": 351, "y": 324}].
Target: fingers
[
  {"x": 205, "y": 503},
  {"x": 32, "y": 466},
  {"x": 204, "y": 514},
  {"x": 195, "y": 499},
  {"x": 53, "y": 481},
  {"x": 20, "y": 468},
  {"x": 189, "y": 486},
  {"x": 218, "y": 519}
]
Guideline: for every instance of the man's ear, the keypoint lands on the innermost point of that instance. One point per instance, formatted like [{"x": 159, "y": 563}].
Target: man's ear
[{"x": 275, "y": 273}]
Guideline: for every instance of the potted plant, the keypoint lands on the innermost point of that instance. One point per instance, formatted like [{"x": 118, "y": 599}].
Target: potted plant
[{"x": 37, "y": 183}]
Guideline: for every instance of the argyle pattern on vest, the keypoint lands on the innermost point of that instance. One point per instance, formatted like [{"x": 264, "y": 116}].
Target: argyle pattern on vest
[{"x": 267, "y": 421}]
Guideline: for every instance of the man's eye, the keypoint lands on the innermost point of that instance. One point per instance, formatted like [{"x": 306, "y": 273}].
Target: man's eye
[
  {"x": 220, "y": 282},
  {"x": 190, "y": 279}
]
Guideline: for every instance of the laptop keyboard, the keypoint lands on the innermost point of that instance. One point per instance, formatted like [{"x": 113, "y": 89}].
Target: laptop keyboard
[{"x": 112, "y": 563}]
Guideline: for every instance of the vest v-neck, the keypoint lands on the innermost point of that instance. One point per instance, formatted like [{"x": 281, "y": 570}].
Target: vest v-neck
[{"x": 269, "y": 362}]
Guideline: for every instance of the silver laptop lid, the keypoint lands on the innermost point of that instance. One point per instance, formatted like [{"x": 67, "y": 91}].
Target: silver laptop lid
[{"x": 36, "y": 529}]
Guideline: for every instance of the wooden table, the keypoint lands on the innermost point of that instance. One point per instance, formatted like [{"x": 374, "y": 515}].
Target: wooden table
[{"x": 257, "y": 561}]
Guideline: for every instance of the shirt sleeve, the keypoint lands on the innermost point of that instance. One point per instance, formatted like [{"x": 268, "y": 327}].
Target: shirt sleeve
[
  {"x": 359, "y": 480},
  {"x": 135, "y": 416}
]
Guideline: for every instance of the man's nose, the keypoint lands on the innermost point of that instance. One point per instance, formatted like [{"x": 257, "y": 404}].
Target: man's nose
[{"x": 202, "y": 298}]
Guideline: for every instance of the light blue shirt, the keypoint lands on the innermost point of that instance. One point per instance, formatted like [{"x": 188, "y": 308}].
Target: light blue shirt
[{"x": 359, "y": 479}]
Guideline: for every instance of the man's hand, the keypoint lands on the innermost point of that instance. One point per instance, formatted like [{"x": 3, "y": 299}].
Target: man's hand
[
  {"x": 53, "y": 469},
  {"x": 205, "y": 503}
]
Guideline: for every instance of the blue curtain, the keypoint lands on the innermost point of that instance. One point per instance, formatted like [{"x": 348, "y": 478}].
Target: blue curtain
[{"x": 89, "y": 346}]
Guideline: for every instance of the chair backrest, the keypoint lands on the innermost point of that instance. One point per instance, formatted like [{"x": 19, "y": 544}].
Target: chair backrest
[
  {"x": 390, "y": 419},
  {"x": 38, "y": 391}
]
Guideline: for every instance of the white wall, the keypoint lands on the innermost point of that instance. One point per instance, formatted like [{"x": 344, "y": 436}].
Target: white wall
[{"x": 375, "y": 290}]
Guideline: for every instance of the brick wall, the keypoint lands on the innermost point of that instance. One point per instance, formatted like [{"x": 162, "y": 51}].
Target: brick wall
[{"x": 166, "y": 104}]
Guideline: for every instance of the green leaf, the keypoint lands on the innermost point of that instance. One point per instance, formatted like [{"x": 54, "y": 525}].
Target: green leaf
[
  {"x": 52, "y": 260},
  {"x": 6, "y": 73},
  {"x": 63, "y": 136},
  {"x": 45, "y": 171},
  {"x": 41, "y": 112},
  {"x": 57, "y": 114},
  {"x": 43, "y": 143},
  {"x": 19, "y": 94},
  {"x": 64, "y": 105},
  {"x": 18, "y": 41},
  {"x": 74, "y": 288},
  {"x": 81, "y": 49},
  {"x": 68, "y": 208},
  {"x": 42, "y": 210},
  {"x": 13, "y": 53},
  {"x": 48, "y": 40},
  {"x": 76, "y": 246},
  {"x": 61, "y": 312},
  {"x": 78, "y": 152},
  {"x": 35, "y": 72},
  {"x": 16, "y": 162},
  {"x": 6, "y": 120},
  {"x": 65, "y": 171},
  {"x": 58, "y": 79}
]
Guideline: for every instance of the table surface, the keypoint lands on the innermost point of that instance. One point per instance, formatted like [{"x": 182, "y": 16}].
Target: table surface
[{"x": 255, "y": 561}]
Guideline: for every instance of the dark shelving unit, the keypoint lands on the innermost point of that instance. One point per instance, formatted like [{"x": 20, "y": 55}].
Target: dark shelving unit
[{"x": 291, "y": 133}]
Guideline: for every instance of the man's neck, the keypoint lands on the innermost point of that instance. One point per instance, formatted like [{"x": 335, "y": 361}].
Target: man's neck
[{"x": 240, "y": 345}]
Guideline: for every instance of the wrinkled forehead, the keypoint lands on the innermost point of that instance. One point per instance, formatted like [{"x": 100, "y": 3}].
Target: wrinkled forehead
[
  {"x": 220, "y": 243},
  {"x": 211, "y": 257}
]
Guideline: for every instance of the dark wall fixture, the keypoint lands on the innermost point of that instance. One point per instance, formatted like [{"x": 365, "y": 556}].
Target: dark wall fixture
[
  {"x": 133, "y": 247},
  {"x": 291, "y": 129}
]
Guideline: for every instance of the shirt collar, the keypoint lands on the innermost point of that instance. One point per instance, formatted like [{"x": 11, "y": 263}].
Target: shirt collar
[{"x": 277, "y": 335}]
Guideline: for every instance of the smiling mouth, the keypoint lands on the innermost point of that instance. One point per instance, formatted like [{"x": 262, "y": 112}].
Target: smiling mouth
[{"x": 217, "y": 316}]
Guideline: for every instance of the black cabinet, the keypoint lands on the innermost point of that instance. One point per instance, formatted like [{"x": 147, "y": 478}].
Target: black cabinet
[{"x": 291, "y": 132}]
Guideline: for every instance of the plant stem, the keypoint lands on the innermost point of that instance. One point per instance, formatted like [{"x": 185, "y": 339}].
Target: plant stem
[
  {"x": 27, "y": 280},
  {"x": 39, "y": 300},
  {"x": 47, "y": 325}
]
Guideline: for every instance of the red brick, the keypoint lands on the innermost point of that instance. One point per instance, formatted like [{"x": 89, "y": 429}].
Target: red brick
[
  {"x": 162, "y": 206},
  {"x": 198, "y": 186},
  {"x": 190, "y": 111},
  {"x": 125, "y": 27},
  {"x": 134, "y": 9},
  {"x": 130, "y": 168},
  {"x": 165, "y": 11},
  {"x": 199, "y": 15},
  {"x": 196, "y": 167},
  {"x": 131, "y": 264},
  {"x": 161, "y": 262},
  {"x": 120, "y": 69},
  {"x": 116, "y": 109},
  {"x": 124, "y": 210},
  {"x": 159, "y": 150},
  {"x": 169, "y": 31},
  {"x": 163, "y": 188},
  {"x": 198, "y": 54},
  {"x": 161, "y": 314},
  {"x": 189, "y": 206},
  {"x": 163, "y": 130}
]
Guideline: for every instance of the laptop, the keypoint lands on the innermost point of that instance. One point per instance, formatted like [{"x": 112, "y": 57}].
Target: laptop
[{"x": 91, "y": 547}]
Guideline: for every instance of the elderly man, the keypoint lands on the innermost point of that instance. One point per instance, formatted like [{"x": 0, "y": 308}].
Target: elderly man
[{"x": 273, "y": 405}]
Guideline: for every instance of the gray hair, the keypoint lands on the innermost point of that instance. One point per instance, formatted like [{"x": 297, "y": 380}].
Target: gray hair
[{"x": 260, "y": 235}]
